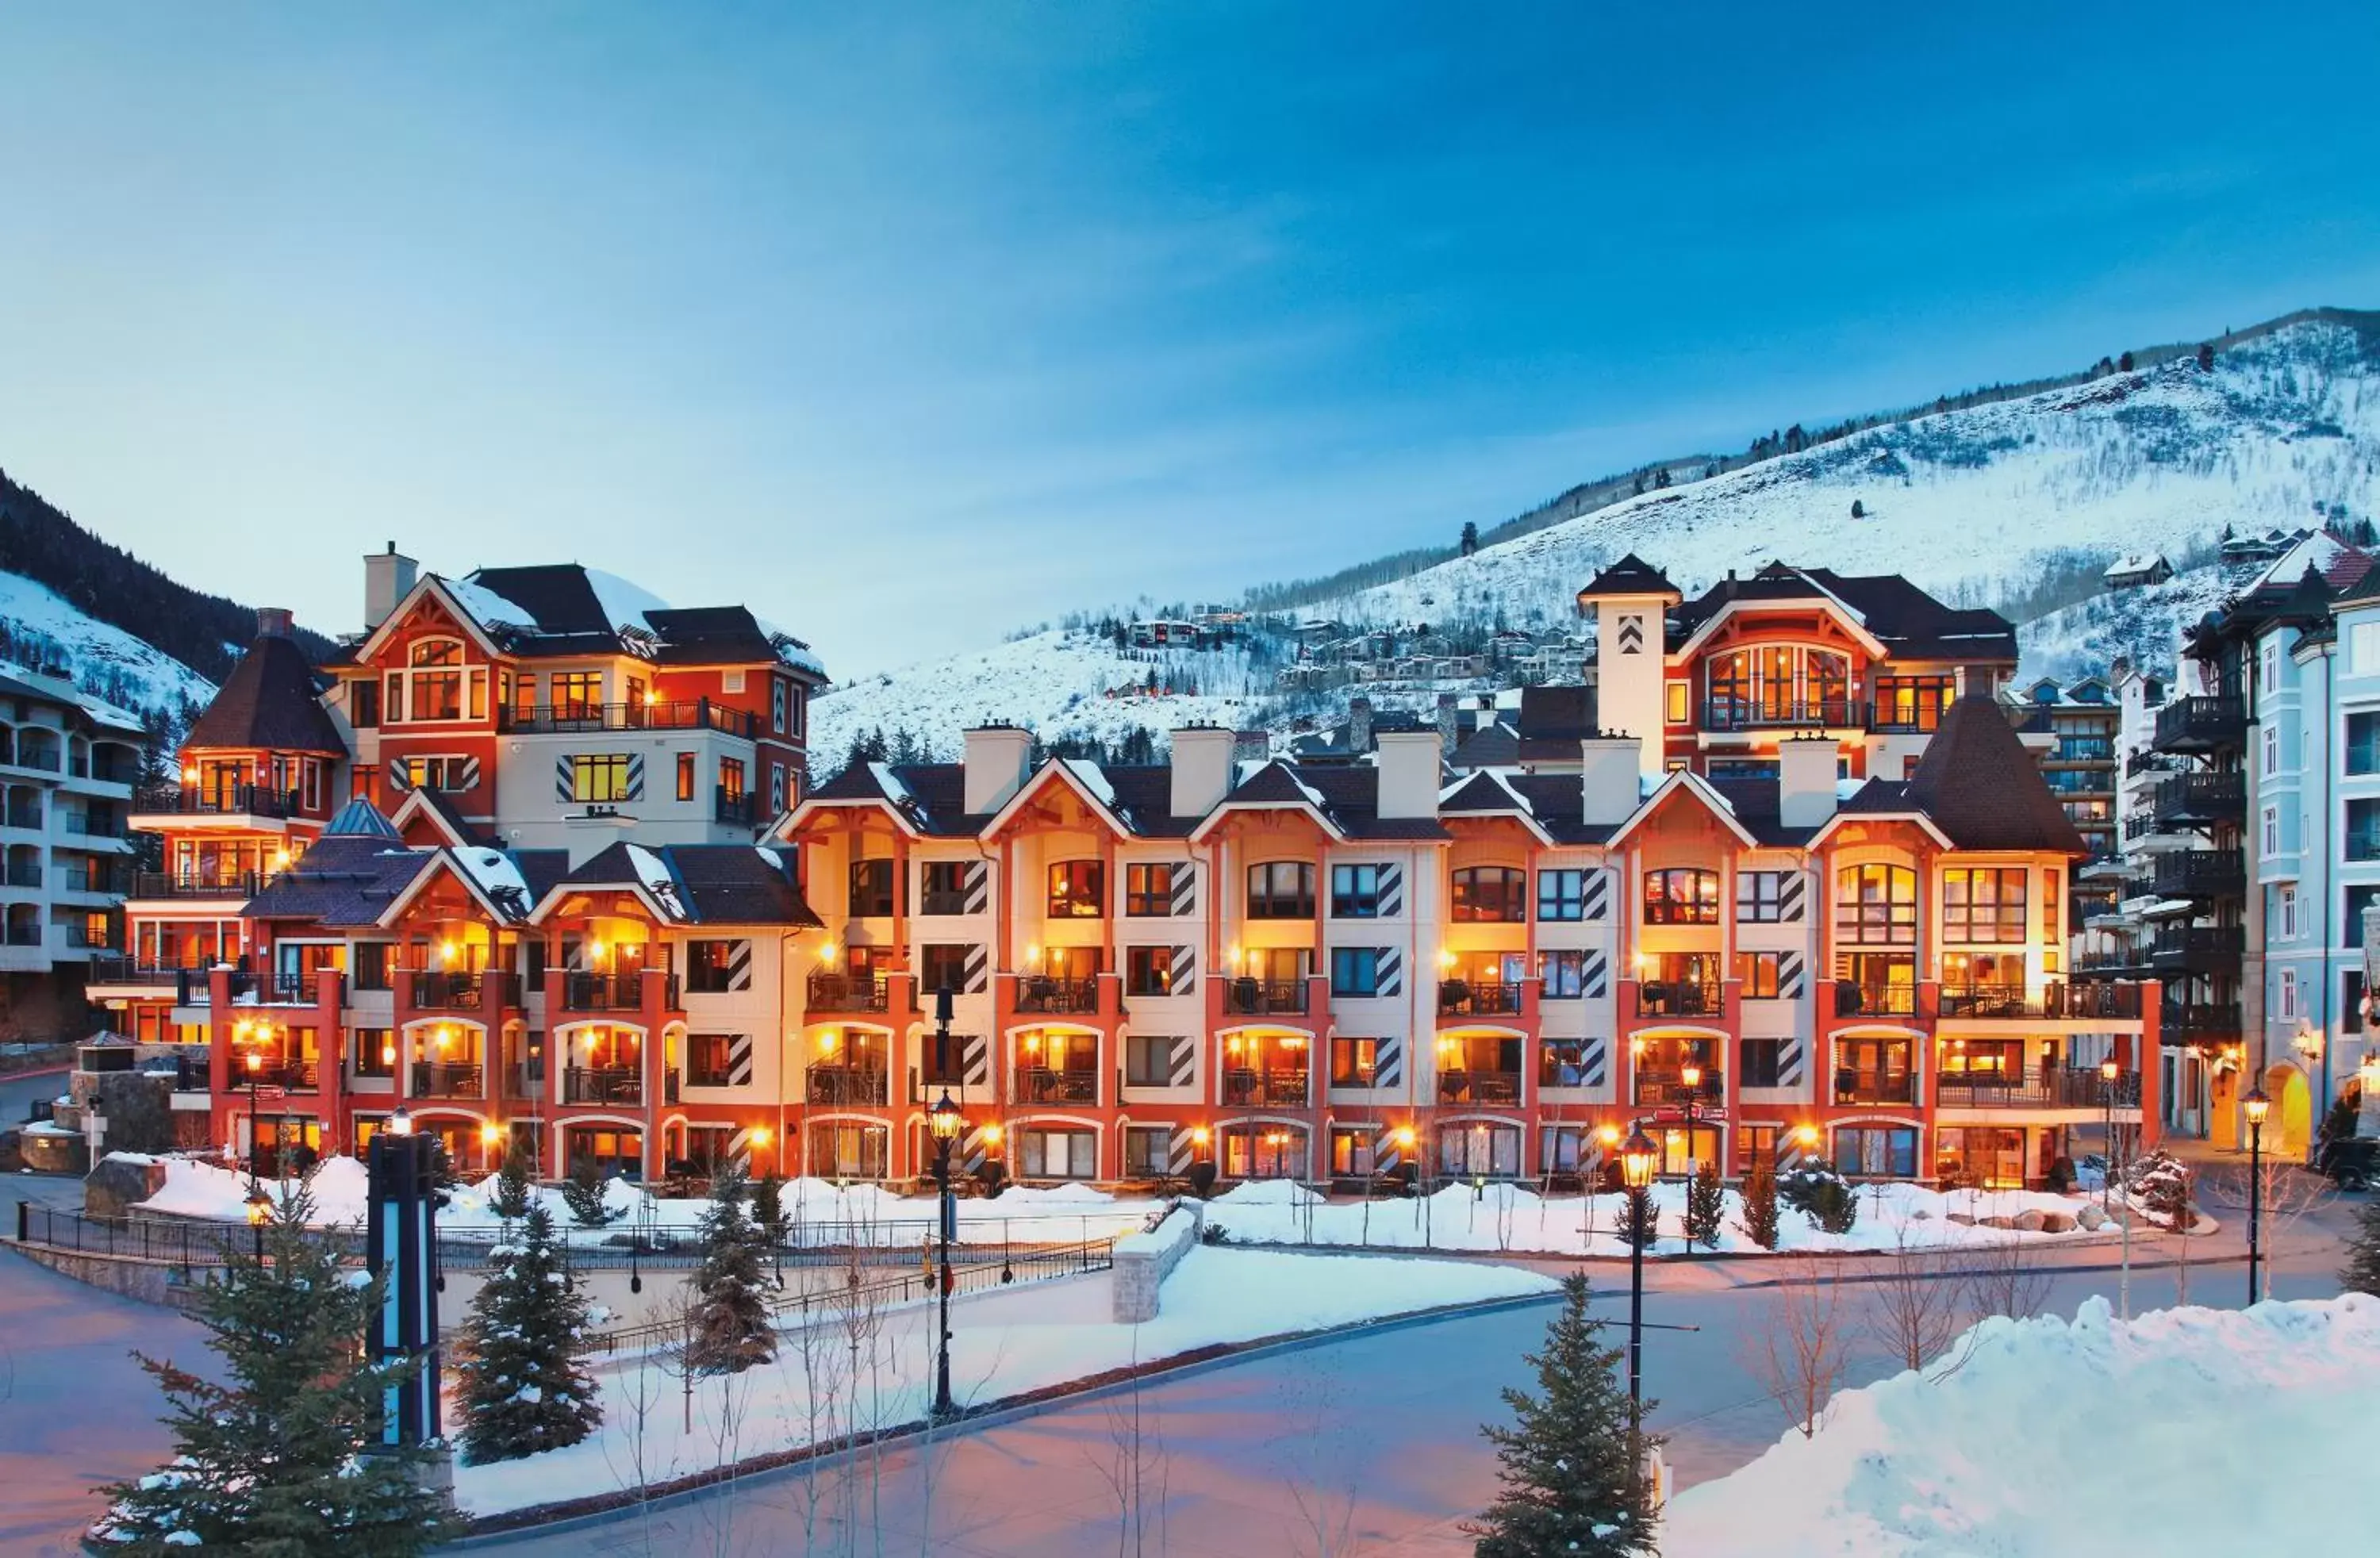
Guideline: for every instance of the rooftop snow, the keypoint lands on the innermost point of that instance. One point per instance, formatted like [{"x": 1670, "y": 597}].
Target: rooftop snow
[
  {"x": 625, "y": 605},
  {"x": 488, "y": 608},
  {"x": 657, "y": 880}
]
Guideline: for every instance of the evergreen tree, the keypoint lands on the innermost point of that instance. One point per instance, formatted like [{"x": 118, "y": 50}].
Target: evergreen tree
[
  {"x": 2207, "y": 357},
  {"x": 1759, "y": 1224},
  {"x": 2362, "y": 1272},
  {"x": 523, "y": 1389},
  {"x": 770, "y": 1218},
  {"x": 511, "y": 1201},
  {"x": 583, "y": 1193},
  {"x": 1705, "y": 1207},
  {"x": 1640, "y": 1224},
  {"x": 1859, "y": 510},
  {"x": 271, "y": 1460},
  {"x": 1569, "y": 1465},
  {"x": 2124, "y": 363},
  {"x": 1470, "y": 538},
  {"x": 730, "y": 1330}
]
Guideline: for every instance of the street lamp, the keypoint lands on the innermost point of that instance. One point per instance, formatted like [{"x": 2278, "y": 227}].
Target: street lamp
[
  {"x": 1638, "y": 1158},
  {"x": 945, "y": 1121},
  {"x": 1691, "y": 1076},
  {"x": 2256, "y": 1104},
  {"x": 258, "y": 1207},
  {"x": 2108, "y": 1073}
]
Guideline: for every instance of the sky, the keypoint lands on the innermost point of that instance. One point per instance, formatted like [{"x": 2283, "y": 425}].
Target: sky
[{"x": 909, "y": 325}]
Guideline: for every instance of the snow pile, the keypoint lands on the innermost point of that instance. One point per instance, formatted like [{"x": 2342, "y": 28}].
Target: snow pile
[
  {"x": 2186, "y": 1430},
  {"x": 195, "y": 1187}
]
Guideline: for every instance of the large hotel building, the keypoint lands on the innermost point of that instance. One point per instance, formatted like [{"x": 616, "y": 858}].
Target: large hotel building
[{"x": 534, "y": 860}]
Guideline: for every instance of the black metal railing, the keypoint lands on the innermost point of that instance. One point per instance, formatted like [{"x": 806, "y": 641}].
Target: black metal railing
[
  {"x": 2199, "y": 944},
  {"x": 1853, "y": 1085},
  {"x": 1680, "y": 998},
  {"x": 462, "y": 990},
  {"x": 286, "y": 988},
  {"x": 448, "y": 1078},
  {"x": 1263, "y": 998},
  {"x": 215, "y": 800},
  {"x": 24, "y": 814},
  {"x": 1663, "y": 1086},
  {"x": 2199, "y": 1019},
  {"x": 2048, "y": 1086},
  {"x": 1463, "y": 1084},
  {"x": 1856, "y": 1000},
  {"x": 122, "y": 968},
  {"x": 848, "y": 993},
  {"x": 1055, "y": 1084},
  {"x": 584, "y": 992},
  {"x": 2014, "y": 1002},
  {"x": 740, "y": 807},
  {"x": 1834, "y": 714},
  {"x": 24, "y": 874},
  {"x": 290, "y": 1076},
  {"x": 1273, "y": 1086},
  {"x": 1477, "y": 998},
  {"x": 2201, "y": 797},
  {"x": 2199, "y": 873},
  {"x": 195, "y": 884},
  {"x": 2200, "y": 724},
  {"x": 1044, "y": 992},
  {"x": 603, "y": 1083},
  {"x": 698, "y": 713}
]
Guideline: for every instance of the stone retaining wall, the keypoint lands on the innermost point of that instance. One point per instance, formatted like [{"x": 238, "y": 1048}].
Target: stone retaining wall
[{"x": 1143, "y": 1260}]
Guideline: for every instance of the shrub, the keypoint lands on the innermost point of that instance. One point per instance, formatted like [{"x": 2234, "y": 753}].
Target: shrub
[
  {"x": 1760, "y": 1222},
  {"x": 1822, "y": 1196},
  {"x": 1705, "y": 1207}
]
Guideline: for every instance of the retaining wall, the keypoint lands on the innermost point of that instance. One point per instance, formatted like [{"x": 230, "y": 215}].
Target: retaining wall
[{"x": 1143, "y": 1260}]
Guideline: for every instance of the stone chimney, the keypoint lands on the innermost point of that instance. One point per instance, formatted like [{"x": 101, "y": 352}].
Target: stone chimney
[
  {"x": 1251, "y": 745},
  {"x": 1608, "y": 791},
  {"x": 1202, "y": 769},
  {"x": 274, "y": 622},
  {"x": 1806, "y": 780},
  {"x": 1359, "y": 726},
  {"x": 997, "y": 761},
  {"x": 1409, "y": 772},
  {"x": 388, "y": 578},
  {"x": 1449, "y": 727}
]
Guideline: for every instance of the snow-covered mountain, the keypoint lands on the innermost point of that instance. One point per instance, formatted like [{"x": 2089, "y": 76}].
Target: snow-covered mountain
[
  {"x": 1989, "y": 505},
  {"x": 40, "y": 631}
]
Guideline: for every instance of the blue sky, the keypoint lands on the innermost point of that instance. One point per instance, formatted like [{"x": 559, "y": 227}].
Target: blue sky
[{"x": 910, "y": 324}]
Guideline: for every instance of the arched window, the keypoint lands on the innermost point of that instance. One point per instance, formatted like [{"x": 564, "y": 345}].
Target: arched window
[
  {"x": 1777, "y": 684},
  {"x": 1875, "y": 906},
  {"x": 435, "y": 686},
  {"x": 1281, "y": 890},
  {"x": 1681, "y": 895},
  {"x": 1489, "y": 894}
]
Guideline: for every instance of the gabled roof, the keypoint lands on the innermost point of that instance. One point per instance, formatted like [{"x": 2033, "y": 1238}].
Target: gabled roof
[
  {"x": 345, "y": 878},
  {"x": 1630, "y": 575},
  {"x": 1552, "y": 722},
  {"x": 269, "y": 701},
  {"x": 1491, "y": 793},
  {"x": 1496, "y": 745},
  {"x": 1909, "y": 624},
  {"x": 443, "y": 817},
  {"x": 693, "y": 883},
  {"x": 1698, "y": 788},
  {"x": 1978, "y": 783}
]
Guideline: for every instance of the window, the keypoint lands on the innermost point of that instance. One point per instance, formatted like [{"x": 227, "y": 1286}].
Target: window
[
  {"x": 1562, "y": 894},
  {"x": 1147, "y": 1152},
  {"x": 1764, "y": 1063},
  {"x": 1354, "y": 1061},
  {"x": 578, "y": 695},
  {"x": 2362, "y": 828},
  {"x": 777, "y": 788},
  {"x": 1759, "y": 897},
  {"x": 1877, "y": 1151},
  {"x": 434, "y": 680},
  {"x": 1562, "y": 1149},
  {"x": 1776, "y": 683},
  {"x": 2272, "y": 665},
  {"x": 1912, "y": 702},
  {"x": 372, "y": 964},
  {"x": 1354, "y": 970},
  {"x": 711, "y": 1060},
  {"x": 944, "y": 966},
  {"x": 1876, "y": 904},
  {"x": 1490, "y": 894},
  {"x": 731, "y": 681},
  {"x": 1077, "y": 890},
  {"x": 1678, "y": 702},
  {"x": 1758, "y": 971},
  {"x": 1480, "y": 1151},
  {"x": 1354, "y": 892},
  {"x": 1351, "y": 1151},
  {"x": 2363, "y": 648},
  {"x": 1281, "y": 890},
  {"x": 2286, "y": 909},
  {"x": 1149, "y": 891},
  {"x": 2351, "y": 1001},
  {"x": 685, "y": 776},
  {"x": 2272, "y": 749},
  {"x": 1982, "y": 904},
  {"x": 1681, "y": 895},
  {"x": 2288, "y": 997},
  {"x": 2363, "y": 743},
  {"x": 1149, "y": 1060},
  {"x": 945, "y": 887},
  {"x": 731, "y": 778},
  {"x": 2357, "y": 900},
  {"x": 375, "y": 1052},
  {"x": 448, "y": 773},
  {"x": 598, "y": 777},
  {"x": 872, "y": 889},
  {"x": 1563, "y": 975},
  {"x": 363, "y": 704},
  {"x": 713, "y": 967},
  {"x": 1148, "y": 970},
  {"x": 1045, "y": 1155},
  {"x": 778, "y": 700},
  {"x": 2273, "y": 830}
]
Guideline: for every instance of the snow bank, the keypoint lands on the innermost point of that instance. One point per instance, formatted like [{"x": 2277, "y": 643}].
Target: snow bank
[
  {"x": 195, "y": 1187},
  {"x": 2187, "y": 1431}
]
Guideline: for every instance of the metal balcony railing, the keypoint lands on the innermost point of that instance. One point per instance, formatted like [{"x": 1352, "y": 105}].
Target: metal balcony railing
[
  {"x": 215, "y": 800},
  {"x": 1680, "y": 998},
  {"x": 698, "y": 713},
  {"x": 2200, "y": 724},
  {"x": 1262, "y": 998},
  {"x": 1475, "y": 998},
  {"x": 603, "y": 1083},
  {"x": 1832, "y": 713},
  {"x": 848, "y": 993},
  {"x": 1663, "y": 1086},
  {"x": 2048, "y": 1086},
  {"x": 444, "y": 1079},
  {"x": 1045, "y": 993},
  {"x": 1278, "y": 1087},
  {"x": 583, "y": 991},
  {"x": 2199, "y": 873},
  {"x": 847, "y": 1085},
  {"x": 1045, "y": 1084},
  {"x": 195, "y": 884},
  {"x": 2202, "y": 797},
  {"x": 1855, "y": 1085}
]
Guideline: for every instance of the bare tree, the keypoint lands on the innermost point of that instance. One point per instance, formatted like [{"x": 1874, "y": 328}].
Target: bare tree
[
  {"x": 1797, "y": 1350},
  {"x": 1912, "y": 1308},
  {"x": 2285, "y": 1195},
  {"x": 1138, "y": 1471},
  {"x": 1326, "y": 1488},
  {"x": 2003, "y": 1278}
]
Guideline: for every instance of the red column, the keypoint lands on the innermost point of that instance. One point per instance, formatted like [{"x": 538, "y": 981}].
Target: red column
[
  {"x": 651, "y": 1007},
  {"x": 330, "y": 1051}
]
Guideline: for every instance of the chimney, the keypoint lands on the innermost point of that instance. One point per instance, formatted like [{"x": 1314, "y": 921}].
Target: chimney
[
  {"x": 1607, "y": 780},
  {"x": 1359, "y": 726},
  {"x": 1409, "y": 772},
  {"x": 1251, "y": 745},
  {"x": 274, "y": 622},
  {"x": 1202, "y": 769},
  {"x": 1449, "y": 722},
  {"x": 1805, "y": 780},
  {"x": 388, "y": 578},
  {"x": 998, "y": 759}
]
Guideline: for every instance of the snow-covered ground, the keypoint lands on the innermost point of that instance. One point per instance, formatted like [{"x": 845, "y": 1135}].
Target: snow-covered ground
[
  {"x": 1005, "y": 1342},
  {"x": 97, "y": 656},
  {"x": 2184, "y": 1432}
]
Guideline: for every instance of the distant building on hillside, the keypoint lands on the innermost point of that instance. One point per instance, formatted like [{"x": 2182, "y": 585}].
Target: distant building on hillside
[{"x": 2137, "y": 568}]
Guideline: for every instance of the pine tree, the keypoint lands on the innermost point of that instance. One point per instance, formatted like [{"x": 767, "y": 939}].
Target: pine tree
[
  {"x": 511, "y": 1201},
  {"x": 1760, "y": 1222},
  {"x": 770, "y": 1218},
  {"x": 1470, "y": 538},
  {"x": 1640, "y": 1225},
  {"x": 1705, "y": 1207},
  {"x": 272, "y": 1459},
  {"x": 583, "y": 1193},
  {"x": 2362, "y": 1272},
  {"x": 1569, "y": 1465},
  {"x": 731, "y": 1328},
  {"x": 523, "y": 1390}
]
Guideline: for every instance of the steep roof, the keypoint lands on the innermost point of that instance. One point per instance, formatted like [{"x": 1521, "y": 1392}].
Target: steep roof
[
  {"x": 1911, "y": 624},
  {"x": 1978, "y": 784},
  {"x": 1630, "y": 575},
  {"x": 269, "y": 701},
  {"x": 1495, "y": 745},
  {"x": 698, "y": 883},
  {"x": 346, "y": 879},
  {"x": 1553, "y": 720}
]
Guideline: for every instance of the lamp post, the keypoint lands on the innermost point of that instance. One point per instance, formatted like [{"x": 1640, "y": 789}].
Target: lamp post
[
  {"x": 1638, "y": 1157},
  {"x": 2110, "y": 1074},
  {"x": 2107, "y": 1070},
  {"x": 2256, "y": 1104},
  {"x": 945, "y": 1121},
  {"x": 259, "y": 1205}
]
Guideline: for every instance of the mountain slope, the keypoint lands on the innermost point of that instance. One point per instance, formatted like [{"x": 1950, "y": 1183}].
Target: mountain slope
[{"x": 2016, "y": 502}]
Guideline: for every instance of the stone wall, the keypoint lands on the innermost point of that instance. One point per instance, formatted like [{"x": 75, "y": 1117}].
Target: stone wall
[{"x": 1143, "y": 1260}]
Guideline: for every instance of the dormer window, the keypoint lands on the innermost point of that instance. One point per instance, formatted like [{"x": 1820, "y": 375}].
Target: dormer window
[{"x": 435, "y": 686}]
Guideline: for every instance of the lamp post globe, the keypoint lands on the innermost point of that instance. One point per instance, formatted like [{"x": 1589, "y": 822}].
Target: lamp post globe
[
  {"x": 260, "y": 1207},
  {"x": 944, "y": 1120},
  {"x": 400, "y": 1120},
  {"x": 2255, "y": 1106}
]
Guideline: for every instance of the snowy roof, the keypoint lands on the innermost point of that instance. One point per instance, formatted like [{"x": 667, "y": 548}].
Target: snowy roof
[{"x": 2135, "y": 563}]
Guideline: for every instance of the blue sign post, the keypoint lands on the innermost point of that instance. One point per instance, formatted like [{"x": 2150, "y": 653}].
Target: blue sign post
[{"x": 402, "y": 1250}]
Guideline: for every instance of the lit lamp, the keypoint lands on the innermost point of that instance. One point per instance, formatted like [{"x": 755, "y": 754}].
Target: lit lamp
[
  {"x": 2108, "y": 1072},
  {"x": 2256, "y": 1106},
  {"x": 1638, "y": 1159},
  {"x": 400, "y": 1122},
  {"x": 945, "y": 1120},
  {"x": 260, "y": 1206}
]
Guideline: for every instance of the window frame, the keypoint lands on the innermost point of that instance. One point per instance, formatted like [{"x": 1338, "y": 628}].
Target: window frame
[
  {"x": 1974, "y": 923},
  {"x": 1355, "y": 1061},
  {"x": 1148, "y": 971},
  {"x": 1489, "y": 894},
  {"x": 1271, "y": 901},
  {"x": 1667, "y": 905},
  {"x": 1137, "y": 1049},
  {"x": 1759, "y": 973},
  {"x": 871, "y": 888},
  {"x": 610, "y": 768},
  {"x": 1366, "y": 958},
  {"x": 1760, "y": 897},
  {"x": 1857, "y": 917},
  {"x": 1356, "y": 891},
  {"x": 1562, "y": 973},
  {"x": 1148, "y": 889},
  {"x": 1564, "y": 890},
  {"x": 1076, "y": 890}
]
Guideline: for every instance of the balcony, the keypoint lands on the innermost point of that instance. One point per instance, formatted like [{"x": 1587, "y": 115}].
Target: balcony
[
  {"x": 217, "y": 801},
  {"x": 848, "y": 993},
  {"x": 241, "y": 885},
  {"x": 2199, "y": 873},
  {"x": 1032, "y": 1083},
  {"x": 463, "y": 990},
  {"x": 1828, "y": 713},
  {"x": 606, "y": 993},
  {"x": 2052, "y": 1002},
  {"x": 2050, "y": 1086},
  {"x": 1264, "y": 998},
  {"x": 119, "y": 969},
  {"x": 1477, "y": 998},
  {"x": 1051, "y": 995},
  {"x": 1680, "y": 998},
  {"x": 289, "y": 1076},
  {"x": 734, "y": 808},
  {"x": 603, "y": 1085},
  {"x": 2198, "y": 949},
  {"x": 1659, "y": 1087},
  {"x": 842, "y": 1086},
  {"x": 2201, "y": 725},
  {"x": 2211, "y": 1023},
  {"x": 84, "y": 825},
  {"x": 289, "y": 987},
  {"x": 24, "y": 874},
  {"x": 565, "y": 719},
  {"x": 442, "y": 1078},
  {"x": 2194, "y": 799},
  {"x": 1268, "y": 1086},
  {"x": 24, "y": 814},
  {"x": 1854, "y": 1086}
]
